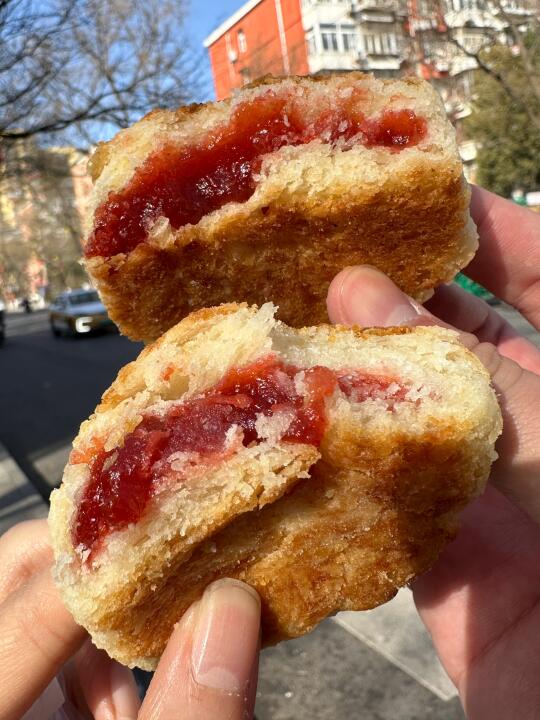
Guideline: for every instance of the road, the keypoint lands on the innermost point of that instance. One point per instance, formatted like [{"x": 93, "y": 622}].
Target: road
[
  {"x": 48, "y": 387},
  {"x": 377, "y": 665}
]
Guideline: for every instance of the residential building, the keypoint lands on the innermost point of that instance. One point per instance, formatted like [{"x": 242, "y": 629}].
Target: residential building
[
  {"x": 43, "y": 192},
  {"x": 264, "y": 36},
  {"x": 431, "y": 38}
]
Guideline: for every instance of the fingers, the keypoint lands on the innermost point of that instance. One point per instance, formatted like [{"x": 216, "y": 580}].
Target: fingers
[
  {"x": 109, "y": 689},
  {"x": 508, "y": 259},
  {"x": 24, "y": 550},
  {"x": 37, "y": 636},
  {"x": 471, "y": 314},
  {"x": 364, "y": 296},
  {"x": 209, "y": 668},
  {"x": 480, "y": 604},
  {"x": 488, "y": 574}
]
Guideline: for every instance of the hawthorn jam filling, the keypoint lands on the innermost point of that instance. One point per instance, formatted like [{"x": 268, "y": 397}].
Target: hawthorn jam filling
[
  {"x": 122, "y": 481},
  {"x": 184, "y": 184}
]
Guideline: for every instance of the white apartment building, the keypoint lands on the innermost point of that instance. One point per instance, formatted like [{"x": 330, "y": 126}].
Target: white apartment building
[
  {"x": 386, "y": 36},
  {"x": 344, "y": 35}
]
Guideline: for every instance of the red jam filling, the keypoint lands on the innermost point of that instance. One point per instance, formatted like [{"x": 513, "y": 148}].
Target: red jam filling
[
  {"x": 123, "y": 480},
  {"x": 185, "y": 184}
]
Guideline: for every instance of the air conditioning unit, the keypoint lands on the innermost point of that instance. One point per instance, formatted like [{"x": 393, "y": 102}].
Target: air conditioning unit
[{"x": 233, "y": 56}]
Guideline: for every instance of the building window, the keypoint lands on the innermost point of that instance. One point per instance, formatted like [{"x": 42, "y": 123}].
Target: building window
[
  {"x": 329, "y": 38},
  {"x": 472, "y": 42},
  {"x": 311, "y": 44},
  {"x": 348, "y": 38},
  {"x": 242, "y": 43},
  {"x": 369, "y": 44},
  {"x": 467, "y": 4},
  {"x": 384, "y": 44},
  {"x": 389, "y": 44}
]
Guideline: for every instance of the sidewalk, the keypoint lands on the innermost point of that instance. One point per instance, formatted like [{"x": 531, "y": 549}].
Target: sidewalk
[{"x": 18, "y": 498}]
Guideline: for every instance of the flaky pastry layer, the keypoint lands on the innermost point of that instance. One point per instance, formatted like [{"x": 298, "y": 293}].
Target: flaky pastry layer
[
  {"x": 317, "y": 208},
  {"x": 312, "y": 530}
]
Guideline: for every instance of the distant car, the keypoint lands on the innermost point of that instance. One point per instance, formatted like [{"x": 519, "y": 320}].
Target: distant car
[{"x": 78, "y": 312}]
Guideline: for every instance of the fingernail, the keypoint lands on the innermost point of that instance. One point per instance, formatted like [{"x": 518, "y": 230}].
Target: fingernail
[
  {"x": 124, "y": 693},
  {"x": 368, "y": 297},
  {"x": 225, "y": 637}
]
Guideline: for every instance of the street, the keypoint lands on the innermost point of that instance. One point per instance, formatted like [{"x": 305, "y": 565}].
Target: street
[
  {"x": 49, "y": 386},
  {"x": 377, "y": 665}
]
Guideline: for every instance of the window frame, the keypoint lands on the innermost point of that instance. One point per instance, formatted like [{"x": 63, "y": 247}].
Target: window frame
[{"x": 242, "y": 41}]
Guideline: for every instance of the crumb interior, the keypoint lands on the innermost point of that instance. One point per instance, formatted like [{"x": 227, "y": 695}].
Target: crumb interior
[
  {"x": 267, "y": 400},
  {"x": 183, "y": 184}
]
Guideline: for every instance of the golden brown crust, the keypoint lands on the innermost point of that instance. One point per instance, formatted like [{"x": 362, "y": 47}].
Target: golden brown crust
[
  {"x": 411, "y": 223},
  {"x": 412, "y": 229},
  {"x": 381, "y": 502},
  {"x": 346, "y": 538}
]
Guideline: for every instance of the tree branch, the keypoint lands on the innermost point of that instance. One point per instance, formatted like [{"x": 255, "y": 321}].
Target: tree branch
[{"x": 518, "y": 101}]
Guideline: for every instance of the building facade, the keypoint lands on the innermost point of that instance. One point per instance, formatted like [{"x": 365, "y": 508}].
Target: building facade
[
  {"x": 43, "y": 192},
  {"x": 264, "y": 36},
  {"x": 431, "y": 38}
]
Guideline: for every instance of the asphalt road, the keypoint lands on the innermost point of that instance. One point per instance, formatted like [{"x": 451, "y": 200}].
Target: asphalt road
[{"x": 48, "y": 386}]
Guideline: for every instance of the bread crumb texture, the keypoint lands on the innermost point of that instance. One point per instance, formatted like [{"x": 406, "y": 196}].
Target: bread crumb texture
[
  {"x": 312, "y": 530},
  {"x": 317, "y": 208}
]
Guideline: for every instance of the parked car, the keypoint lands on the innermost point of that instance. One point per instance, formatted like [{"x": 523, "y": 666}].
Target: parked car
[{"x": 78, "y": 312}]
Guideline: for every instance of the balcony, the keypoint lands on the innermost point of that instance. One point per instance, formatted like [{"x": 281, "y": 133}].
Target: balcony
[
  {"x": 373, "y": 46},
  {"x": 372, "y": 63},
  {"x": 383, "y": 11},
  {"x": 390, "y": 6},
  {"x": 473, "y": 18},
  {"x": 331, "y": 62}
]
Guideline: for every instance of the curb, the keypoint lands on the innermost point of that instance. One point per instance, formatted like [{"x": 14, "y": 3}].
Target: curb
[{"x": 19, "y": 500}]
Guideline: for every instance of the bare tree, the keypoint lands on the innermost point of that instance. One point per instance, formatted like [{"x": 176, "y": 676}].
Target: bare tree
[
  {"x": 72, "y": 72},
  {"x": 90, "y": 65},
  {"x": 502, "y": 22},
  {"x": 39, "y": 218}
]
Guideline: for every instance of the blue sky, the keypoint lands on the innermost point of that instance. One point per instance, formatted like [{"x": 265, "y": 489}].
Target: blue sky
[{"x": 205, "y": 16}]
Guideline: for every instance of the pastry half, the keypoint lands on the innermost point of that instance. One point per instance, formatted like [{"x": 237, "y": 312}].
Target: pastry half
[
  {"x": 269, "y": 194},
  {"x": 325, "y": 467}
]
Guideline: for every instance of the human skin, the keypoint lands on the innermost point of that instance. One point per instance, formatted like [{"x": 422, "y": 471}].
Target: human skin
[
  {"x": 481, "y": 601},
  {"x": 208, "y": 670}
]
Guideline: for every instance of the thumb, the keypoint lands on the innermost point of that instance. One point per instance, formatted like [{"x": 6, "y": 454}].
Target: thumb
[{"x": 366, "y": 297}]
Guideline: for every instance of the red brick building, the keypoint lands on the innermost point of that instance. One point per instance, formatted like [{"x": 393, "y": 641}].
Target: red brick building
[{"x": 263, "y": 36}]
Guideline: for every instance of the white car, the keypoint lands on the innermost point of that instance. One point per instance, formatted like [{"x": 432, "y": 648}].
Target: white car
[{"x": 78, "y": 312}]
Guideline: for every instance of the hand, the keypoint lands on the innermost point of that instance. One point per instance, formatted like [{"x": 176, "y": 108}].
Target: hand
[
  {"x": 481, "y": 602},
  {"x": 208, "y": 670}
]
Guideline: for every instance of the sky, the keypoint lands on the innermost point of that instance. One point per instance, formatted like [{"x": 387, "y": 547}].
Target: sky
[{"x": 205, "y": 16}]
